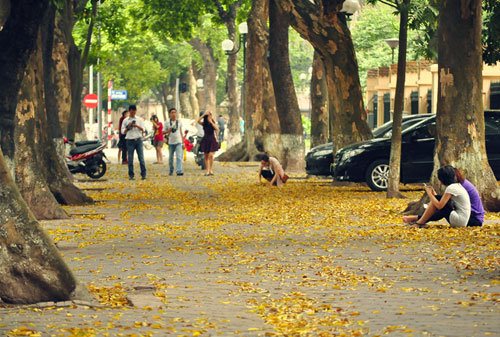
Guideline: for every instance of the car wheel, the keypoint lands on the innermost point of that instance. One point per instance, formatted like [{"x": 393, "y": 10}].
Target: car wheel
[{"x": 377, "y": 175}]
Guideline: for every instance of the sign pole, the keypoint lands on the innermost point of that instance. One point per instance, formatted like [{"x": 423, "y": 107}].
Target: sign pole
[
  {"x": 91, "y": 91},
  {"x": 110, "y": 86}
]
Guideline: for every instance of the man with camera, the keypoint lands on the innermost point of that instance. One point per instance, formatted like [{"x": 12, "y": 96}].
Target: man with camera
[
  {"x": 133, "y": 127},
  {"x": 173, "y": 130}
]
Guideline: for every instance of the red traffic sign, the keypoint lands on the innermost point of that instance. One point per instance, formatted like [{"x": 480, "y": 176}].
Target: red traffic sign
[{"x": 90, "y": 101}]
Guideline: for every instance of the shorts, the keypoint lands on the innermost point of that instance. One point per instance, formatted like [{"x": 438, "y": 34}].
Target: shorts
[
  {"x": 268, "y": 175},
  {"x": 122, "y": 144},
  {"x": 158, "y": 143},
  {"x": 441, "y": 213}
]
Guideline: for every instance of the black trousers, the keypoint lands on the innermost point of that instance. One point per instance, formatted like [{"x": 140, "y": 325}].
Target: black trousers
[{"x": 268, "y": 175}]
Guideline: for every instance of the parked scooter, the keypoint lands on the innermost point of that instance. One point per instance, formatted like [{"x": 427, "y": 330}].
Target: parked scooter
[
  {"x": 199, "y": 157},
  {"x": 87, "y": 157}
]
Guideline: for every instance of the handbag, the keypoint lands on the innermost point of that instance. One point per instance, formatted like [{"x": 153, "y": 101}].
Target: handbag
[{"x": 284, "y": 178}]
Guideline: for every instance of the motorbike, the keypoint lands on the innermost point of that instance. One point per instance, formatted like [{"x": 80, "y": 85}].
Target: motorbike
[
  {"x": 87, "y": 157},
  {"x": 199, "y": 157}
]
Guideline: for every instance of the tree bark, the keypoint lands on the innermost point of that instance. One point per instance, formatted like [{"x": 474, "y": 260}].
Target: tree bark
[
  {"x": 31, "y": 269},
  {"x": 210, "y": 66},
  {"x": 292, "y": 134},
  {"x": 320, "y": 24},
  {"x": 229, "y": 18},
  {"x": 460, "y": 138},
  {"x": 185, "y": 102},
  {"x": 192, "y": 93},
  {"x": 319, "y": 103},
  {"x": 31, "y": 127},
  {"x": 76, "y": 61},
  {"x": 395, "y": 157}
]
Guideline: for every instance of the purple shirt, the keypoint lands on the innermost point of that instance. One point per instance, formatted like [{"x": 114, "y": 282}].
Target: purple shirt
[{"x": 476, "y": 205}]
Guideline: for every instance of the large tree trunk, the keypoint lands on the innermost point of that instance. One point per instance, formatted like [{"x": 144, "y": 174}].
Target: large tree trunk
[
  {"x": 319, "y": 103},
  {"x": 460, "y": 138},
  {"x": 76, "y": 62},
  {"x": 319, "y": 23},
  {"x": 186, "y": 108},
  {"x": 209, "y": 72},
  {"x": 59, "y": 72},
  {"x": 292, "y": 134},
  {"x": 395, "y": 158},
  {"x": 31, "y": 127},
  {"x": 31, "y": 269},
  {"x": 234, "y": 131},
  {"x": 192, "y": 93},
  {"x": 262, "y": 130}
]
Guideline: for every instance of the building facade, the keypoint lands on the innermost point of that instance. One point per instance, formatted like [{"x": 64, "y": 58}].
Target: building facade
[{"x": 421, "y": 89}]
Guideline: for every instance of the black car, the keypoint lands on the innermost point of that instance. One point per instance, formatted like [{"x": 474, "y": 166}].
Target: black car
[
  {"x": 369, "y": 161},
  {"x": 320, "y": 158}
]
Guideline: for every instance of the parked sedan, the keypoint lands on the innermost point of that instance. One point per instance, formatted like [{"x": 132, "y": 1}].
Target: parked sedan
[
  {"x": 369, "y": 161},
  {"x": 320, "y": 158}
]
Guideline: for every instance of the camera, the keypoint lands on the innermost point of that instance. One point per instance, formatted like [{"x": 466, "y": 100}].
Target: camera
[{"x": 174, "y": 129}]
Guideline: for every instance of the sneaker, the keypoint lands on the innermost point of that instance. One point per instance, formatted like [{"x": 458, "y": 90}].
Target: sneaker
[
  {"x": 143, "y": 178},
  {"x": 171, "y": 174},
  {"x": 180, "y": 174},
  {"x": 131, "y": 178}
]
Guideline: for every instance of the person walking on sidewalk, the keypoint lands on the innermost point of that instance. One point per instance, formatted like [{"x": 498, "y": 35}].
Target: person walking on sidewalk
[
  {"x": 208, "y": 144},
  {"x": 175, "y": 143},
  {"x": 158, "y": 138},
  {"x": 122, "y": 143},
  {"x": 132, "y": 127}
]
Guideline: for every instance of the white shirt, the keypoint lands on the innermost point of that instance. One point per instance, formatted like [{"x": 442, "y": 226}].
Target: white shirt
[
  {"x": 174, "y": 137},
  {"x": 460, "y": 216},
  {"x": 134, "y": 132}
]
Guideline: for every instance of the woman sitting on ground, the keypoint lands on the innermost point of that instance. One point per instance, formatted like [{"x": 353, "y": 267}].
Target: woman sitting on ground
[
  {"x": 271, "y": 170},
  {"x": 454, "y": 204}
]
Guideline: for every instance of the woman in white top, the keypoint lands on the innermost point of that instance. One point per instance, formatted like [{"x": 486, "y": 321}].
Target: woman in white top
[{"x": 454, "y": 205}]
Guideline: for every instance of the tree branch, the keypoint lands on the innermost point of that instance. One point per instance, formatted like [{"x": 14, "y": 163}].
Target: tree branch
[
  {"x": 89, "y": 36},
  {"x": 390, "y": 4}
]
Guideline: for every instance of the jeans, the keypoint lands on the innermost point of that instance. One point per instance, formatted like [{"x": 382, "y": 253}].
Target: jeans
[
  {"x": 137, "y": 146},
  {"x": 179, "y": 157}
]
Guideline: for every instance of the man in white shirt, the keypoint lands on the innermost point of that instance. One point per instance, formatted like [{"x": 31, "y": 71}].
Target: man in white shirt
[
  {"x": 173, "y": 129},
  {"x": 132, "y": 128}
]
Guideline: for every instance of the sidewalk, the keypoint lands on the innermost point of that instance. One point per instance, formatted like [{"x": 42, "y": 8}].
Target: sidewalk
[{"x": 222, "y": 256}]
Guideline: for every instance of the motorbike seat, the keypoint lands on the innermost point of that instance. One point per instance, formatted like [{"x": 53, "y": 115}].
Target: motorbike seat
[
  {"x": 86, "y": 142},
  {"x": 84, "y": 148}
]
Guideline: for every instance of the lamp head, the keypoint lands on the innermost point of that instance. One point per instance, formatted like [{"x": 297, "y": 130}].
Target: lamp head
[
  {"x": 243, "y": 28},
  {"x": 350, "y": 6},
  {"x": 392, "y": 43},
  {"x": 227, "y": 45}
]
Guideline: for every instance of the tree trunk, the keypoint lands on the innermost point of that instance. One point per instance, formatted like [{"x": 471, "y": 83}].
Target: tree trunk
[
  {"x": 185, "y": 102},
  {"x": 76, "y": 63},
  {"x": 320, "y": 24},
  {"x": 209, "y": 71},
  {"x": 319, "y": 103},
  {"x": 192, "y": 93},
  {"x": 234, "y": 131},
  {"x": 460, "y": 138},
  {"x": 200, "y": 96},
  {"x": 395, "y": 158},
  {"x": 31, "y": 127},
  {"x": 292, "y": 134},
  {"x": 31, "y": 269}
]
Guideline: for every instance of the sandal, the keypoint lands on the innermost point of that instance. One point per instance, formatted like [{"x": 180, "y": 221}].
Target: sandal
[{"x": 415, "y": 224}]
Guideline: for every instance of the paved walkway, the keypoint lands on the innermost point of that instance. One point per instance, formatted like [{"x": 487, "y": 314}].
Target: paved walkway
[{"x": 221, "y": 256}]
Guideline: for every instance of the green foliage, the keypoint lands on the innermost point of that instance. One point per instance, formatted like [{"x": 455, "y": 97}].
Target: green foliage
[
  {"x": 491, "y": 31},
  {"x": 306, "y": 125},
  {"x": 301, "y": 58},
  {"x": 374, "y": 25}
]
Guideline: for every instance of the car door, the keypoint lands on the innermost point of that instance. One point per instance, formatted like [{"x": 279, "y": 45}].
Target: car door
[
  {"x": 417, "y": 152},
  {"x": 492, "y": 133}
]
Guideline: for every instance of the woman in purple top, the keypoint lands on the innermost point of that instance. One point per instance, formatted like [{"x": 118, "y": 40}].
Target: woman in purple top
[{"x": 477, "y": 210}]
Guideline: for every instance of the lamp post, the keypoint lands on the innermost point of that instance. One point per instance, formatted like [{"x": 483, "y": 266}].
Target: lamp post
[
  {"x": 349, "y": 7},
  {"x": 228, "y": 47},
  {"x": 392, "y": 43}
]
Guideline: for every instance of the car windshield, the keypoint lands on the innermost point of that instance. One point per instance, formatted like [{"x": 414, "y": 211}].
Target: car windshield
[{"x": 387, "y": 131}]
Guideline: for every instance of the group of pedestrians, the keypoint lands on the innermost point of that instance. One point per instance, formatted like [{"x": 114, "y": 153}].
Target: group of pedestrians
[{"x": 131, "y": 130}]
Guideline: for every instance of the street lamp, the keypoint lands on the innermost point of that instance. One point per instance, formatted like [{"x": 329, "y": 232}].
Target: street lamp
[
  {"x": 228, "y": 47},
  {"x": 392, "y": 43},
  {"x": 349, "y": 7}
]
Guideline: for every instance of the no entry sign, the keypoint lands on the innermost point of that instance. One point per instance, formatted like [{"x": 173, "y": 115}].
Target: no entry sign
[{"x": 90, "y": 101}]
